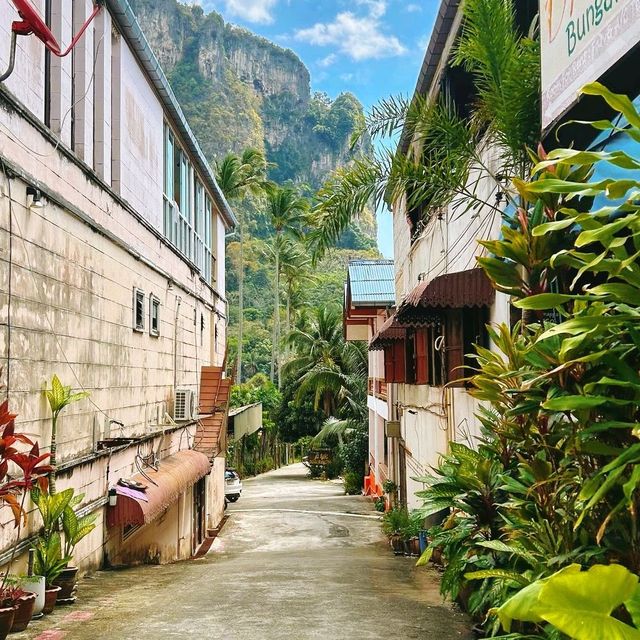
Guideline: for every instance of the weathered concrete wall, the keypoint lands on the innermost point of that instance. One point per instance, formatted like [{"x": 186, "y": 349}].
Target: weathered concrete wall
[{"x": 68, "y": 270}]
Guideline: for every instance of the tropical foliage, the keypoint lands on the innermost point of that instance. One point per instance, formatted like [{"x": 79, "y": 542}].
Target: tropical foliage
[
  {"x": 554, "y": 485},
  {"x": 441, "y": 159}
]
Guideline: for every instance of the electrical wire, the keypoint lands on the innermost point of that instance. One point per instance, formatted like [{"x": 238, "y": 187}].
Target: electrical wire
[
  {"x": 44, "y": 304},
  {"x": 66, "y": 114},
  {"x": 9, "y": 284}
]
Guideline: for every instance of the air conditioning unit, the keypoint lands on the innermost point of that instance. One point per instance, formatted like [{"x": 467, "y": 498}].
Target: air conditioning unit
[{"x": 184, "y": 407}]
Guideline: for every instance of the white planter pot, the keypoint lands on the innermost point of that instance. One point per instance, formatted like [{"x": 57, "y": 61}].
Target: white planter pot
[{"x": 36, "y": 585}]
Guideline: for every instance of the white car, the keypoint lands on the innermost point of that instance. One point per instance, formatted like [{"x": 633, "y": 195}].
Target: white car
[{"x": 232, "y": 485}]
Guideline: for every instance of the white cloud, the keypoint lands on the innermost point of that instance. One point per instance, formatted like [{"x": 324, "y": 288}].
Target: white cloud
[
  {"x": 413, "y": 8},
  {"x": 259, "y": 11},
  {"x": 328, "y": 60},
  {"x": 359, "y": 37},
  {"x": 346, "y": 77}
]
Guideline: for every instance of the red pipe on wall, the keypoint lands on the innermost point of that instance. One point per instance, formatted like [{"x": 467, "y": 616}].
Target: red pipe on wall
[{"x": 32, "y": 23}]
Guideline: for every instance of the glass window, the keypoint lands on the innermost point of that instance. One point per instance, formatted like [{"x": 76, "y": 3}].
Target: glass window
[
  {"x": 138, "y": 310},
  {"x": 154, "y": 316}
]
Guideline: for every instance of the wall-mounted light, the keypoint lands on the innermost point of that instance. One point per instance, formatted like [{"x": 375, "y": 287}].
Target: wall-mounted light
[
  {"x": 34, "y": 198},
  {"x": 113, "y": 497}
]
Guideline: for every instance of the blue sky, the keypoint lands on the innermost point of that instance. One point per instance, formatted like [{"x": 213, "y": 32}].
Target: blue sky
[{"x": 372, "y": 48}]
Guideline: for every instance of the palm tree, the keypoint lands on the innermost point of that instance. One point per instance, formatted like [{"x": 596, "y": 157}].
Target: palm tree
[
  {"x": 287, "y": 212},
  {"x": 505, "y": 67},
  {"x": 335, "y": 370},
  {"x": 238, "y": 176}
]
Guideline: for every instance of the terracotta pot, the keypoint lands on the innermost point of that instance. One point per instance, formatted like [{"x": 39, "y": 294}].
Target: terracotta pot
[
  {"x": 67, "y": 582},
  {"x": 414, "y": 546},
  {"x": 50, "y": 597},
  {"x": 6, "y": 620},
  {"x": 24, "y": 611}
]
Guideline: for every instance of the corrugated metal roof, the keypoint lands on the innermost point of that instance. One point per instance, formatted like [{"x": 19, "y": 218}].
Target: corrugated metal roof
[{"x": 371, "y": 282}]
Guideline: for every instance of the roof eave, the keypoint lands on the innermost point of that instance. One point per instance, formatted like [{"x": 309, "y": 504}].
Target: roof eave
[
  {"x": 128, "y": 24},
  {"x": 437, "y": 43}
]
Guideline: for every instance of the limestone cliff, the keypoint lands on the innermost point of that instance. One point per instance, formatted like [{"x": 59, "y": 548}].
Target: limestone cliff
[{"x": 238, "y": 90}]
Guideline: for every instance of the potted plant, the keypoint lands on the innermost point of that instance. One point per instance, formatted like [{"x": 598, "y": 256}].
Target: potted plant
[
  {"x": 393, "y": 523},
  {"x": 52, "y": 557},
  {"x": 13, "y": 494},
  {"x": 9, "y": 597},
  {"x": 14, "y": 594},
  {"x": 410, "y": 532},
  {"x": 58, "y": 397},
  {"x": 49, "y": 563}
]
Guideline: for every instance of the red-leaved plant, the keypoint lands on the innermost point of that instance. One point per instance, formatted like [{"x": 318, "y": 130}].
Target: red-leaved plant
[{"x": 30, "y": 464}]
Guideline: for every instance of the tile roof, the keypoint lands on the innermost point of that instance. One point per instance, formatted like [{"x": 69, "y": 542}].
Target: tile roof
[{"x": 371, "y": 282}]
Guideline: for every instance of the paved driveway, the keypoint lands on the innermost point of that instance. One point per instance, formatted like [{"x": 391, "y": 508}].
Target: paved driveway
[{"x": 297, "y": 560}]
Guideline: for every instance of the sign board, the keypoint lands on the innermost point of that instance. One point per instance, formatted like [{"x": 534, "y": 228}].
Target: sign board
[
  {"x": 392, "y": 429},
  {"x": 580, "y": 40},
  {"x": 319, "y": 456}
]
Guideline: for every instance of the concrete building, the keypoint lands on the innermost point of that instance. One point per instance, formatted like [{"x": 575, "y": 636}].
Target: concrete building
[
  {"x": 443, "y": 300},
  {"x": 369, "y": 297},
  {"x": 112, "y": 276}
]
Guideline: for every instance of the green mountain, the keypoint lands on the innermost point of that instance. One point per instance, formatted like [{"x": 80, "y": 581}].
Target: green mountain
[{"x": 239, "y": 90}]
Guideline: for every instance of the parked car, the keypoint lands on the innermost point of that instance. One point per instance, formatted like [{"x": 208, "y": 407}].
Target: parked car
[{"x": 232, "y": 485}]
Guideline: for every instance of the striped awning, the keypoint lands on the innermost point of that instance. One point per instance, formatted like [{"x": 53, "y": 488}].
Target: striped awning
[{"x": 175, "y": 474}]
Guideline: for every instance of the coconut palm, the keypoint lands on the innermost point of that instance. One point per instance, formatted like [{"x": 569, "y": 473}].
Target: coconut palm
[
  {"x": 333, "y": 369},
  {"x": 287, "y": 213},
  {"x": 237, "y": 176},
  {"x": 436, "y": 169}
]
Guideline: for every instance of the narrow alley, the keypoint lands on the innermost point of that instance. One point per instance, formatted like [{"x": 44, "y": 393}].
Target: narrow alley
[{"x": 296, "y": 559}]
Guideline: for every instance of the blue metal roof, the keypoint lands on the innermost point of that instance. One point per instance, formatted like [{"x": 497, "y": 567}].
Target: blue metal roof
[{"x": 371, "y": 282}]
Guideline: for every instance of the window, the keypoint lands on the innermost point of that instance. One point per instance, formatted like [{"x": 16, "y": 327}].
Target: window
[
  {"x": 463, "y": 329},
  {"x": 188, "y": 210},
  {"x": 138, "y": 309},
  {"x": 154, "y": 316},
  {"x": 394, "y": 362}
]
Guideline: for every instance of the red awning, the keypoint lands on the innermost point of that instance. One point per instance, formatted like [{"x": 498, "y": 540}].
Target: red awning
[
  {"x": 459, "y": 290},
  {"x": 175, "y": 475},
  {"x": 389, "y": 332}
]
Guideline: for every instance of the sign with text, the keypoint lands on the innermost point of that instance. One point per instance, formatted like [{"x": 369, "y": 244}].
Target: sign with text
[{"x": 580, "y": 40}]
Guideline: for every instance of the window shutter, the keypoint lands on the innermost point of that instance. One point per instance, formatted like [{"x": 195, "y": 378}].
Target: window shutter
[
  {"x": 388, "y": 364},
  {"x": 422, "y": 364},
  {"x": 399, "y": 361},
  {"x": 454, "y": 347}
]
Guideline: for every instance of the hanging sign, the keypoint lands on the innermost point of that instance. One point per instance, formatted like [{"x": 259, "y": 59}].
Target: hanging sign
[{"x": 580, "y": 40}]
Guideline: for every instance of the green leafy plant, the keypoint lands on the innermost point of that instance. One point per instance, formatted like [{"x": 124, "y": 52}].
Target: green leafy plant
[
  {"x": 395, "y": 521},
  {"x": 352, "y": 483},
  {"x": 59, "y": 397},
  {"x": 75, "y": 528},
  {"x": 579, "y": 603},
  {"x": 49, "y": 559}
]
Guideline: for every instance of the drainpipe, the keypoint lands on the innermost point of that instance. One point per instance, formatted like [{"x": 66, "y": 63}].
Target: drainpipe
[{"x": 175, "y": 346}]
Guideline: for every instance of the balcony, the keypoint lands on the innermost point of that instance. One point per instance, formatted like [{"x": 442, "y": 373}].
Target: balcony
[{"x": 377, "y": 387}]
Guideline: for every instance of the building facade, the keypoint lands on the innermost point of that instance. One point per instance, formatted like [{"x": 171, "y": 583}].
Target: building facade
[
  {"x": 112, "y": 276},
  {"x": 369, "y": 298}
]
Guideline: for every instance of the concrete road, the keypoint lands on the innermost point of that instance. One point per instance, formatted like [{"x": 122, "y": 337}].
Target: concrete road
[{"x": 297, "y": 560}]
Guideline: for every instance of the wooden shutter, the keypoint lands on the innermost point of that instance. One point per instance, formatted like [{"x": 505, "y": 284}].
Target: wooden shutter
[
  {"x": 421, "y": 355},
  {"x": 388, "y": 364},
  {"x": 399, "y": 361},
  {"x": 454, "y": 347}
]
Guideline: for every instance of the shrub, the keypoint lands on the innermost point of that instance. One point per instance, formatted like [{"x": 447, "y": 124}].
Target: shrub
[
  {"x": 352, "y": 483},
  {"x": 395, "y": 521}
]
